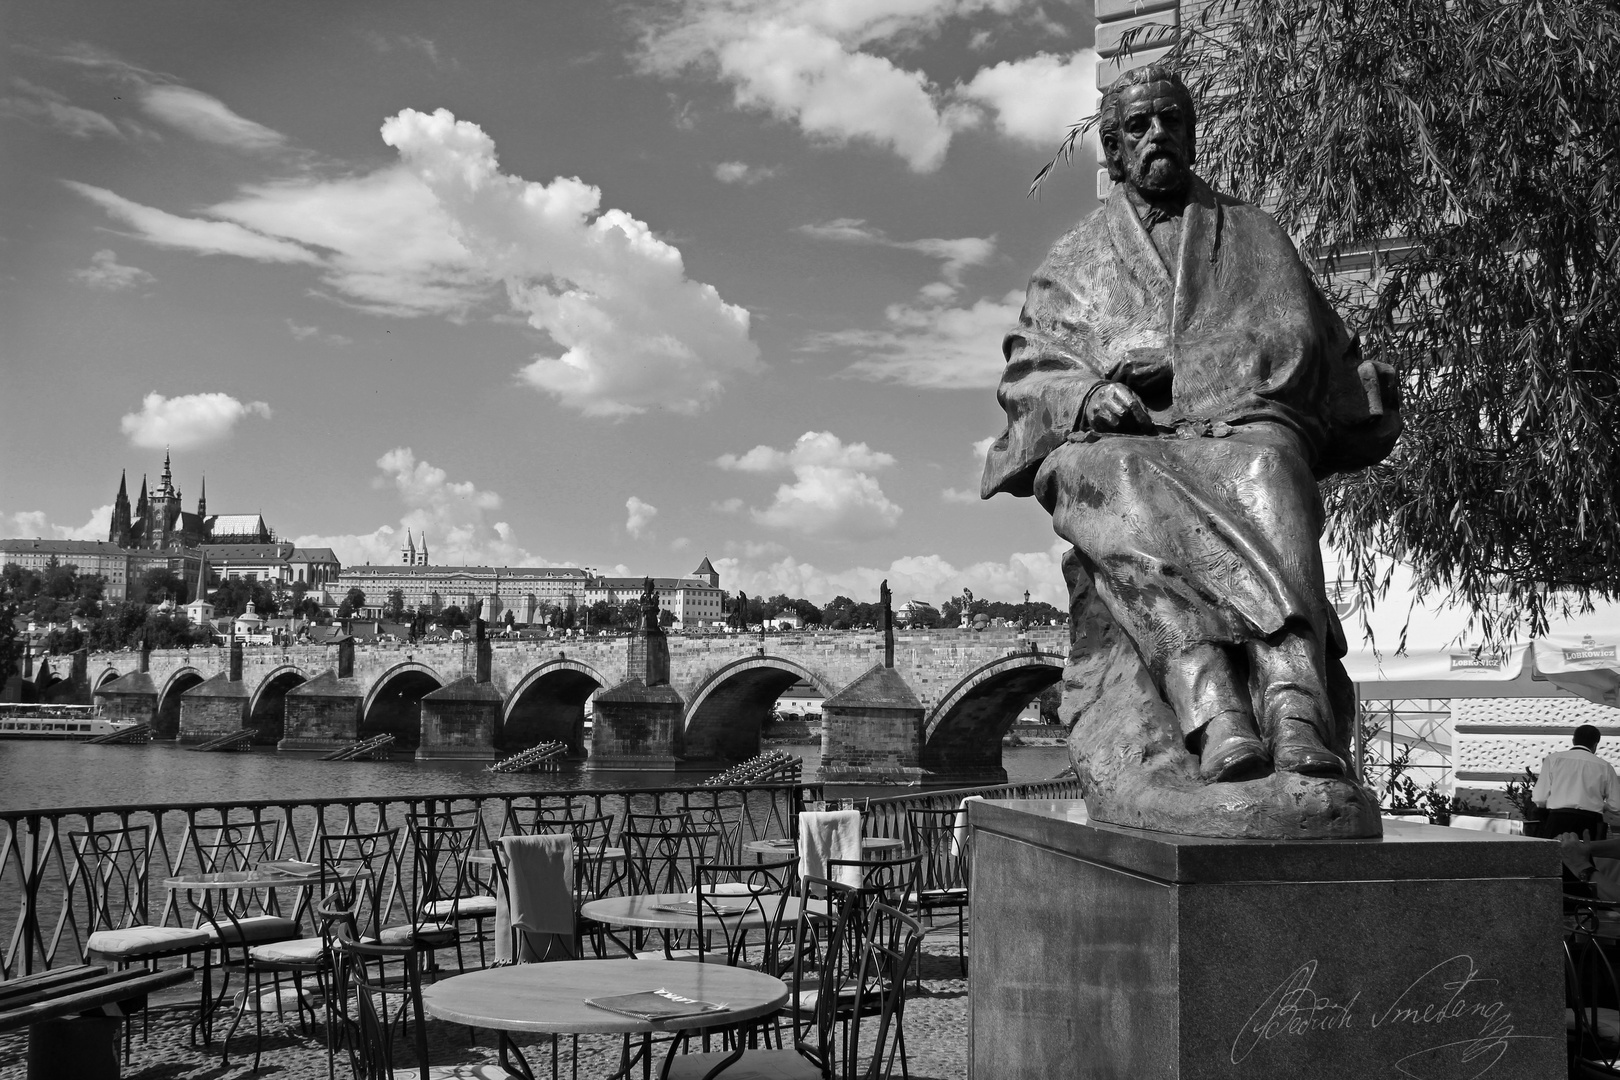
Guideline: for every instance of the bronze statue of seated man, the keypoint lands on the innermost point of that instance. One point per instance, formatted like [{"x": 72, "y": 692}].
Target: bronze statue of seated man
[{"x": 1175, "y": 388}]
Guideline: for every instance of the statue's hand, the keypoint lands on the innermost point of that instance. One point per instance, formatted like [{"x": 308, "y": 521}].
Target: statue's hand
[
  {"x": 1143, "y": 369},
  {"x": 1114, "y": 407}
]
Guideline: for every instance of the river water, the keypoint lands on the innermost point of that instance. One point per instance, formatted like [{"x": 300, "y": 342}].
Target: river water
[{"x": 45, "y": 775}]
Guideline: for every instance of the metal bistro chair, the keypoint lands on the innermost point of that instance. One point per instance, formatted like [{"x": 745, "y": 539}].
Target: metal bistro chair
[
  {"x": 876, "y": 992},
  {"x": 352, "y": 867},
  {"x": 942, "y": 877},
  {"x": 443, "y": 890},
  {"x": 113, "y": 866},
  {"x": 725, "y": 896},
  {"x": 238, "y": 919},
  {"x": 1591, "y": 1006},
  {"x": 665, "y": 862},
  {"x": 725, "y": 816},
  {"x": 379, "y": 1001}
]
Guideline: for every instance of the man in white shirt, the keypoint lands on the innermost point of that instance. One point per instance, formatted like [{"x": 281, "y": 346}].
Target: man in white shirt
[{"x": 1576, "y": 787}]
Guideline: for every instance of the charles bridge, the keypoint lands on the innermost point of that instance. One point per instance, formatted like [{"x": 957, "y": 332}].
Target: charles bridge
[{"x": 940, "y": 712}]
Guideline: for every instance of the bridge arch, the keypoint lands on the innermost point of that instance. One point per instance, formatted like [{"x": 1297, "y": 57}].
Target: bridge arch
[
  {"x": 730, "y": 707},
  {"x": 964, "y": 731},
  {"x": 104, "y": 678},
  {"x": 548, "y": 704},
  {"x": 267, "y": 707},
  {"x": 393, "y": 704},
  {"x": 166, "y": 715}
]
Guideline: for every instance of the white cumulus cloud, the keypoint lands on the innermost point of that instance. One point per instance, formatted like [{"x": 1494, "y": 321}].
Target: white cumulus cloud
[
  {"x": 444, "y": 230},
  {"x": 1037, "y": 99},
  {"x": 913, "y": 577},
  {"x": 635, "y": 332},
  {"x": 640, "y": 516},
  {"x": 187, "y": 420},
  {"x": 35, "y": 523},
  {"x": 832, "y": 494},
  {"x": 838, "y": 71},
  {"x": 106, "y": 272},
  {"x": 455, "y": 518}
]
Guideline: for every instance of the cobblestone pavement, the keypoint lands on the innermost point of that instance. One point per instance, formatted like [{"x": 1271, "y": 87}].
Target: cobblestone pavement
[{"x": 935, "y": 1030}]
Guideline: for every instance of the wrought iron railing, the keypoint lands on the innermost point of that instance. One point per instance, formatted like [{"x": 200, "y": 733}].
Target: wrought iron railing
[{"x": 43, "y": 902}]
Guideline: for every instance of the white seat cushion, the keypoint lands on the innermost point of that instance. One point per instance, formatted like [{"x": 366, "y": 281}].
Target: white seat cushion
[
  {"x": 754, "y": 1065},
  {"x": 307, "y": 952},
  {"x": 468, "y": 907},
  {"x": 471, "y": 1071},
  {"x": 253, "y": 928},
  {"x": 145, "y": 940},
  {"x": 424, "y": 933}
]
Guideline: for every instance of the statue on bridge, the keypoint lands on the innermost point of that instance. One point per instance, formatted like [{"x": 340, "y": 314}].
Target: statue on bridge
[{"x": 1175, "y": 388}]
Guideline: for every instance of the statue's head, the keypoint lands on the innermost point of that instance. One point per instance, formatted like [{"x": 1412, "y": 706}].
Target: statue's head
[{"x": 1148, "y": 130}]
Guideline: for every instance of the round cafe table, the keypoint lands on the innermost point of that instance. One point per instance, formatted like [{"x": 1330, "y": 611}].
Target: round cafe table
[
  {"x": 872, "y": 847},
  {"x": 550, "y": 998},
  {"x": 650, "y": 911}
]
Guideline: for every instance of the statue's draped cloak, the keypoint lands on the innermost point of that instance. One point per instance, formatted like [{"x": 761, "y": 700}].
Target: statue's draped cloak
[{"x": 1207, "y": 530}]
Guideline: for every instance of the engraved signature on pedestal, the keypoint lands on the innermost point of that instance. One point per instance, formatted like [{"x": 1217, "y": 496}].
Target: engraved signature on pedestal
[{"x": 1450, "y": 998}]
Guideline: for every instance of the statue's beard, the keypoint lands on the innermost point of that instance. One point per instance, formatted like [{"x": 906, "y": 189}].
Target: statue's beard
[{"x": 1159, "y": 174}]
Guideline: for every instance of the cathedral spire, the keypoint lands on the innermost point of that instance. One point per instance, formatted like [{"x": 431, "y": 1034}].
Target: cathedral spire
[
  {"x": 202, "y": 498},
  {"x": 118, "y": 533},
  {"x": 168, "y": 475},
  {"x": 141, "y": 506}
]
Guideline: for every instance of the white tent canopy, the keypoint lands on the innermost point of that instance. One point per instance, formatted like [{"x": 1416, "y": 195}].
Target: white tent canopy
[{"x": 1580, "y": 654}]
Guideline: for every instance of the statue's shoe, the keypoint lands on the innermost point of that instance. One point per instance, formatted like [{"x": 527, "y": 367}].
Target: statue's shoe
[
  {"x": 1297, "y": 748},
  {"x": 1232, "y": 751}
]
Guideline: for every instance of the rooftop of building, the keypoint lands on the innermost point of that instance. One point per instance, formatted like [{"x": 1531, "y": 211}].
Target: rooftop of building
[
  {"x": 60, "y": 547},
  {"x": 283, "y": 550},
  {"x": 401, "y": 570},
  {"x": 658, "y": 583}
]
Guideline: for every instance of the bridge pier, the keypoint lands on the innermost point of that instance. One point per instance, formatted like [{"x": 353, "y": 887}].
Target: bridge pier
[
  {"x": 216, "y": 706},
  {"x": 322, "y": 714},
  {"x": 639, "y": 723},
  {"x": 458, "y": 721},
  {"x": 129, "y": 698},
  {"x": 871, "y": 731}
]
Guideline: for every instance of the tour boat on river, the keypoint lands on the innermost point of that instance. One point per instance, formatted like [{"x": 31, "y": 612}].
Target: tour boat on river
[{"x": 34, "y": 721}]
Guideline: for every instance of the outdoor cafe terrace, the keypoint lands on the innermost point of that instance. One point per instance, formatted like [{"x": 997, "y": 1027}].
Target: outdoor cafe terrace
[{"x": 46, "y": 898}]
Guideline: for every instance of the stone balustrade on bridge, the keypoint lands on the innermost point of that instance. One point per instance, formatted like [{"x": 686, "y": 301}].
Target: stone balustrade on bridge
[{"x": 435, "y": 700}]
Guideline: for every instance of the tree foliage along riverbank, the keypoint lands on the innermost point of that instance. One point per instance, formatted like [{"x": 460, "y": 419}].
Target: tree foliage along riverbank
[{"x": 1450, "y": 168}]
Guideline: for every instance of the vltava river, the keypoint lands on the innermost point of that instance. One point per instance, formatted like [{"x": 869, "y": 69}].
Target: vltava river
[{"x": 46, "y": 775}]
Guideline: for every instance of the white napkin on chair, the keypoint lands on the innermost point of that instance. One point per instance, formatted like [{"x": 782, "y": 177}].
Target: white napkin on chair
[
  {"x": 539, "y": 891},
  {"x": 959, "y": 835},
  {"x": 830, "y": 834}
]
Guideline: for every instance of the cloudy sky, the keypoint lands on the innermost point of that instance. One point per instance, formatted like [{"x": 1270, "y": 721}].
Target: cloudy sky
[{"x": 609, "y": 284}]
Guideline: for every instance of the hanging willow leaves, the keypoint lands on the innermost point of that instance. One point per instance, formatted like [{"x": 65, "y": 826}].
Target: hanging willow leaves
[{"x": 1450, "y": 167}]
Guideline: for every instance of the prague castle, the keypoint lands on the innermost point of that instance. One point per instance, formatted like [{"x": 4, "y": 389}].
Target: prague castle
[{"x": 158, "y": 523}]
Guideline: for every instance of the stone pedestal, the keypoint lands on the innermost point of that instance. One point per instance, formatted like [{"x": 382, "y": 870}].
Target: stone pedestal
[
  {"x": 871, "y": 731},
  {"x": 1101, "y": 951},
  {"x": 638, "y": 727},
  {"x": 458, "y": 721}
]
